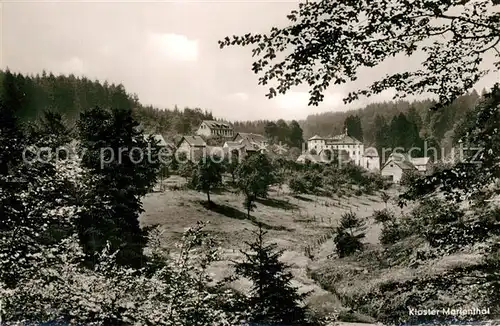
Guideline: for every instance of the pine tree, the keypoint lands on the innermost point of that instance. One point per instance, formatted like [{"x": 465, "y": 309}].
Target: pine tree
[
  {"x": 353, "y": 125},
  {"x": 349, "y": 234},
  {"x": 273, "y": 299},
  {"x": 296, "y": 135},
  {"x": 123, "y": 166},
  {"x": 51, "y": 130}
]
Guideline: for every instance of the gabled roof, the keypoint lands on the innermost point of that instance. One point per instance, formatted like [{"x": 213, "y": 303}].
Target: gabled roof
[
  {"x": 420, "y": 160},
  {"x": 403, "y": 165},
  {"x": 193, "y": 141},
  {"x": 233, "y": 144},
  {"x": 338, "y": 139},
  {"x": 315, "y": 137},
  {"x": 242, "y": 144},
  {"x": 212, "y": 124},
  {"x": 342, "y": 139},
  {"x": 253, "y": 138}
]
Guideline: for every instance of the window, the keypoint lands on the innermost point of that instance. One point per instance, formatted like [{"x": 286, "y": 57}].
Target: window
[{"x": 391, "y": 165}]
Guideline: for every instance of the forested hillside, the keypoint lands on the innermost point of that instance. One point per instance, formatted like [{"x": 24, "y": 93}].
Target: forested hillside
[
  {"x": 388, "y": 124},
  {"x": 70, "y": 95}
]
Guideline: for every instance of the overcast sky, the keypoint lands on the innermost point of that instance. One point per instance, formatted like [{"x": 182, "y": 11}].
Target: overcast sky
[{"x": 166, "y": 52}]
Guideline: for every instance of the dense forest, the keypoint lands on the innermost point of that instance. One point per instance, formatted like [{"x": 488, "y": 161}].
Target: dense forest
[
  {"x": 388, "y": 124},
  {"x": 70, "y": 95}
]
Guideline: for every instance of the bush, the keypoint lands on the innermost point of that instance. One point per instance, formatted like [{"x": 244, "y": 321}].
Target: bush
[
  {"x": 409, "y": 177},
  {"x": 391, "y": 233},
  {"x": 350, "y": 232},
  {"x": 383, "y": 216},
  {"x": 433, "y": 212},
  {"x": 305, "y": 182},
  {"x": 297, "y": 185}
]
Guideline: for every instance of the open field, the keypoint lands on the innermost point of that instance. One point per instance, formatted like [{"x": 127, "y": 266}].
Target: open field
[{"x": 293, "y": 222}]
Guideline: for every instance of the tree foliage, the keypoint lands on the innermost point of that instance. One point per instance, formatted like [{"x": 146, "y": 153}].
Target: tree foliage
[
  {"x": 478, "y": 168},
  {"x": 123, "y": 165},
  {"x": 207, "y": 175},
  {"x": 349, "y": 234},
  {"x": 273, "y": 299},
  {"x": 353, "y": 126},
  {"x": 326, "y": 43},
  {"x": 254, "y": 176}
]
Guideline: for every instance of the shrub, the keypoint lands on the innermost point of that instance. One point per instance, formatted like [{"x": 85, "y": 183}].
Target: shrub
[
  {"x": 391, "y": 233},
  {"x": 409, "y": 177},
  {"x": 305, "y": 182},
  {"x": 432, "y": 212},
  {"x": 383, "y": 216},
  {"x": 349, "y": 234},
  {"x": 297, "y": 185}
]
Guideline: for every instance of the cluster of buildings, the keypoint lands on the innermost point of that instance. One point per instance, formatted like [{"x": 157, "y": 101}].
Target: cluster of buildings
[
  {"x": 319, "y": 149},
  {"x": 237, "y": 143},
  {"x": 347, "y": 148}
]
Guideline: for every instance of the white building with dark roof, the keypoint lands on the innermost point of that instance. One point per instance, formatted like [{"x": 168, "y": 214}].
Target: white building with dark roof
[
  {"x": 394, "y": 169},
  {"x": 341, "y": 144},
  {"x": 212, "y": 128},
  {"x": 423, "y": 164}
]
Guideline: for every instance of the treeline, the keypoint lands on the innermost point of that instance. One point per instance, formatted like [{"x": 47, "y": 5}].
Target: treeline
[
  {"x": 440, "y": 126},
  {"x": 393, "y": 124},
  {"x": 71, "y": 95},
  {"x": 387, "y": 124}
]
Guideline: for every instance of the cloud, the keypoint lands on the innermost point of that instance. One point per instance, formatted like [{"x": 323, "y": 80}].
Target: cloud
[
  {"x": 175, "y": 47},
  {"x": 240, "y": 96}
]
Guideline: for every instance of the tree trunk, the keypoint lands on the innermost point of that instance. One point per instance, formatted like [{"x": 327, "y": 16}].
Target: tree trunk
[{"x": 208, "y": 196}]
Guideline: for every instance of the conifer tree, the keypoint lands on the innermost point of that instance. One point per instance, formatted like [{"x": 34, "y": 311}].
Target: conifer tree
[
  {"x": 349, "y": 234},
  {"x": 123, "y": 166},
  {"x": 273, "y": 299},
  {"x": 51, "y": 130}
]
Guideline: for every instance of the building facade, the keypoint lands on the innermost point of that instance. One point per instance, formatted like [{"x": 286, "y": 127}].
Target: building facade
[
  {"x": 394, "y": 170},
  {"x": 211, "y": 128},
  {"x": 340, "y": 144}
]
